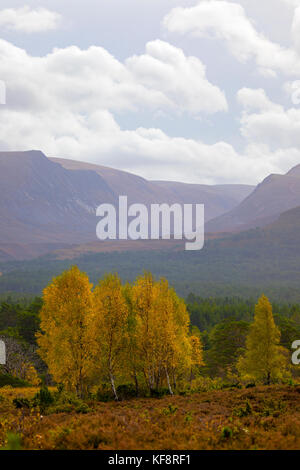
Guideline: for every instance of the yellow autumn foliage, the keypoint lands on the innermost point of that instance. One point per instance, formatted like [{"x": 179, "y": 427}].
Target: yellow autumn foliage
[
  {"x": 139, "y": 332},
  {"x": 264, "y": 360}
]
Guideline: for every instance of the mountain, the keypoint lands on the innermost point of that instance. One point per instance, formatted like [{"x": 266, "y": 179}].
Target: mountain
[
  {"x": 217, "y": 199},
  {"x": 275, "y": 195},
  {"x": 41, "y": 202},
  {"x": 48, "y": 204},
  {"x": 294, "y": 171}
]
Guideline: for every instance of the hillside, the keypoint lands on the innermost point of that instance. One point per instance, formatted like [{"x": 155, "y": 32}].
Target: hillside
[
  {"x": 276, "y": 194},
  {"x": 48, "y": 204},
  {"x": 216, "y": 198},
  {"x": 47, "y": 207},
  {"x": 41, "y": 202}
]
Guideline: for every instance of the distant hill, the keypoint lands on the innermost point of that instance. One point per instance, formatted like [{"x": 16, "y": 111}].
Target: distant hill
[
  {"x": 49, "y": 204},
  {"x": 217, "y": 199},
  {"x": 275, "y": 195},
  {"x": 294, "y": 171},
  {"x": 43, "y": 203}
]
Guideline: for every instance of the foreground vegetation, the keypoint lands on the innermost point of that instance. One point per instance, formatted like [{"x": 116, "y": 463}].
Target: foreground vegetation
[
  {"x": 254, "y": 418},
  {"x": 151, "y": 329},
  {"x": 132, "y": 366}
]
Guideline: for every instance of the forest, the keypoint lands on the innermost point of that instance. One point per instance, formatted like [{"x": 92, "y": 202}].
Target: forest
[
  {"x": 221, "y": 324},
  {"x": 241, "y": 265}
]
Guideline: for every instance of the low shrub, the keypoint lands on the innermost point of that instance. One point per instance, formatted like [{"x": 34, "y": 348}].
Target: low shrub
[
  {"x": 13, "y": 442},
  {"x": 66, "y": 402},
  {"x": 159, "y": 393},
  {"x": 250, "y": 385},
  {"x": 7, "y": 379},
  {"x": 22, "y": 403},
  {"x": 126, "y": 391},
  {"x": 273, "y": 408},
  {"x": 206, "y": 384},
  {"x": 103, "y": 394},
  {"x": 170, "y": 410},
  {"x": 244, "y": 410},
  {"x": 226, "y": 433},
  {"x": 43, "y": 399}
]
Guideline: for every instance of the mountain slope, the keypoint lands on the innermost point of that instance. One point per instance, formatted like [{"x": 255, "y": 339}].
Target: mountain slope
[
  {"x": 275, "y": 195},
  {"x": 41, "y": 202},
  {"x": 48, "y": 204},
  {"x": 217, "y": 199}
]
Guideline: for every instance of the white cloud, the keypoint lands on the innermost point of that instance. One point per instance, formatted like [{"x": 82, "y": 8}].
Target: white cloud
[
  {"x": 63, "y": 103},
  {"x": 27, "y": 20},
  {"x": 296, "y": 29},
  {"x": 148, "y": 152},
  {"x": 256, "y": 99},
  {"x": 292, "y": 3},
  {"x": 228, "y": 22},
  {"x": 264, "y": 122},
  {"x": 182, "y": 79},
  {"x": 86, "y": 80},
  {"x": 66, "y": 104}
]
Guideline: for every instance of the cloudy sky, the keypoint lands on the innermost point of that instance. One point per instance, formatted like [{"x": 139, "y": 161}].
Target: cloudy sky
[{"x": 196, "y": 91}]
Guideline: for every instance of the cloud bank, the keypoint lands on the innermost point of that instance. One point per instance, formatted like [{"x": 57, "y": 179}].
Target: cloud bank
[
  {"x": 27, "y": 20},
  {"x": 228, "y": 22},
  {"x": 70, "y": 102}
]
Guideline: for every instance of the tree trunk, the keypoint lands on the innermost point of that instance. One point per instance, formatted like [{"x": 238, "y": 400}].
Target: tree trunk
[
  {"x": 79, "y": 391},
  {"x": 150, "y": 384},
  {"x": 158, "y": 380},
  {"x": 113, "y": 386},
  {"x": 191, "y": 376},
  {"x": 174, "y": 380},
  {"x": 168, "y": 381},
  {"x": 136, "y": 384}
]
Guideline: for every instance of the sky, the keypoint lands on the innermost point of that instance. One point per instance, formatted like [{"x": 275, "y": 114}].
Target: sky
[{"x": 194, "y": 91}]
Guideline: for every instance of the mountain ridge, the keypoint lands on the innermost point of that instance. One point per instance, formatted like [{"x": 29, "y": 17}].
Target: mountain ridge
[
  {"x": 273, "y": 196},
  {"x": 47, "y": 204}
]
